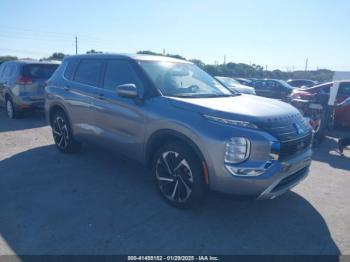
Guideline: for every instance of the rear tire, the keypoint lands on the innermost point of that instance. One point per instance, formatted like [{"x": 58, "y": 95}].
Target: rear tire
[
  {"x": 179, "y": 175},
  {"x": 63, "y": 135},
  {"x": 10, "y": 109}
]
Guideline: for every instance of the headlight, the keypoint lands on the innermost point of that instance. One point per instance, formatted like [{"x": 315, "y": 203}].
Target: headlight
[
  {"x": 237, "y": 150},
  {"x": 230, "y": 122}
]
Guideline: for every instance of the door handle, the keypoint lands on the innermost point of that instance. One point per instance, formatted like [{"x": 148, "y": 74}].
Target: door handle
[{"x": 66, "y": 88}]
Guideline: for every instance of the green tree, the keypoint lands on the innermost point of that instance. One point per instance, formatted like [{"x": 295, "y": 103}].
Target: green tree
[
  {"x": 7, "y": 58},
  {"x": 93, "y": 51},
  {"x": 56, "y": 56}
]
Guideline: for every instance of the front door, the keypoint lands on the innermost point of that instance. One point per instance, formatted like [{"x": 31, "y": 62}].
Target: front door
[{"x": 121, "y": 120}]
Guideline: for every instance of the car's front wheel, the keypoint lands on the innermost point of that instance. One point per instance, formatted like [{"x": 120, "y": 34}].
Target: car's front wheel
[
  {"x": 63, "y": 135},
  {"x": 179, "y": 175}
]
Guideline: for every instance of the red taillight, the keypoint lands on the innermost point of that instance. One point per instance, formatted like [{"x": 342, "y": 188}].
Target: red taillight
[{"x": 24, "y": 80}]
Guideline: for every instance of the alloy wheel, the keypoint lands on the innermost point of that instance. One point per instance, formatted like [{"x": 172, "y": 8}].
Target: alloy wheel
[
  {"x": 174, "y": 176},
  {"x": 60, "y": 132}
]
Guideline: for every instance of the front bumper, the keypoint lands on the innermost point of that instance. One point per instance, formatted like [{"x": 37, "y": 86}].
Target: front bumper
[{"x": 278, "y": 178}]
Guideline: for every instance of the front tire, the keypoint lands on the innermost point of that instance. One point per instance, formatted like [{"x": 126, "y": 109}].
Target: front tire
[
  {"x": 179, "y": 175},
  {"x": 62, "y": 134}
]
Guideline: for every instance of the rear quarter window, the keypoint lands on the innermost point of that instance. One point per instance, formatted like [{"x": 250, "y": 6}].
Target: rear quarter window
[
  {"x": 89, "y": 71},
  {"x": 39, "y": 71},
  {"x": 9, "y": 71},
  {"x": 71, "y": 68}
]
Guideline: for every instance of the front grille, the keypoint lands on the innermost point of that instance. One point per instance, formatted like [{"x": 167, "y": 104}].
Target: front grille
[
  {"x": 289, "y": 180},
  {"x": 292, "y": 131},
  {"x": 292, "y": 147}
]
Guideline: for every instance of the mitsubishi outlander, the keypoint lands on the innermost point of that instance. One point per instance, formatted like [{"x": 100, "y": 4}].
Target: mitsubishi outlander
[{"x": 191, "y": 131}]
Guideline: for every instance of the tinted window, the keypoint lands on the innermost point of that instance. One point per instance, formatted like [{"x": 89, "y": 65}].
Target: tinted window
[
  {"x": 39, "y": 71},
  {"x": 71, "y": 68},
  {"x": 9, "y": 71},
  {"x": 296, "y": 83},
  {"x": 1, "y": 69},
  {"x": 119, "y": 72},
  {"x": 272, "y": 84},
  {"x": 260, "y": 84},
  {"x": 344, "y": 89},
  {"x": 89, "y": 71}
]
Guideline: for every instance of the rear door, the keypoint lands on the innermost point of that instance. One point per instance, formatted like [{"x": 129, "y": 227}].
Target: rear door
[
  {"x": 83, "y": 77},
  {"x": 8, "y": 78},
  {"x": 2, "y": 67}
]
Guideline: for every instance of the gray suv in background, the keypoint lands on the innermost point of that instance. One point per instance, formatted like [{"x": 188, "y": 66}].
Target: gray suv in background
[
  {"x": 22, "y": 85},
  {"x": 188, "y": 128}
]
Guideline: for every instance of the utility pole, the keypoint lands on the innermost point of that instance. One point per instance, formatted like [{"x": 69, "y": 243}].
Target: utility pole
[
  {"x": 265, "y": 67},
  {"x": 224, "y": 59},
  {"x": 76, "y": 45},
  {"x": 307, "y": 61}
]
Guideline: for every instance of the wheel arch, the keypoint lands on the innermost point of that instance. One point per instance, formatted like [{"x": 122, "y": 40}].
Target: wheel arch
[
  {"x": 53, "y": 109},
  {"x": 163, "y": 136}
]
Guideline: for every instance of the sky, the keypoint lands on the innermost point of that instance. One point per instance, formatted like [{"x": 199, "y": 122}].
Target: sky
[{"x": 273, "y": 33}]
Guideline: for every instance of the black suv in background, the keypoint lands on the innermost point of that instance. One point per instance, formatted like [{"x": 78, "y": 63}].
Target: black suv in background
[
  {"x": 272, "y": 88},
  {"x": 22, "y": 85}
]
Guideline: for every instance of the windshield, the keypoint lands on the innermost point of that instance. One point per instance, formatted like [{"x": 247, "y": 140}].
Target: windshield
[
  {"x": 285, "y": 84},
  {"x": 228, "y": 81},
  {"x": 183, "y": 80}
]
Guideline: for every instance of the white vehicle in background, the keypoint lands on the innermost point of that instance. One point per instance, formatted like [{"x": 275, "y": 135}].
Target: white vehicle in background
[{"x": 234, "y": 85}]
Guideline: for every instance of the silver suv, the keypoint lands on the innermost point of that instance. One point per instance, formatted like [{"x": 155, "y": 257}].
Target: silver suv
[
  {"x": 22, "y": 85},
  {"x": 190, "y": 130}
]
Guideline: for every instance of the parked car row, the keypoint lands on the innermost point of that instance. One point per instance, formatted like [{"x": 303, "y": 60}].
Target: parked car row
[
  {"x": 296, "y": 89},
  {"x": 191, "y": 130}
]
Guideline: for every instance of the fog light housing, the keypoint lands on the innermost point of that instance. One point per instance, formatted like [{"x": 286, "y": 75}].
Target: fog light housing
[
  {"x": 245, "y": 172},
  {"x": 237, "y": 150}
]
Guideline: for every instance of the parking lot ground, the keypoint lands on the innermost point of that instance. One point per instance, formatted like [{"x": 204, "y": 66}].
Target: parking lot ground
[{"x": 97, "y": 202}]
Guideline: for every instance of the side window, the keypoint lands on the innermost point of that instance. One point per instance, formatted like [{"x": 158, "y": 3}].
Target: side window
[
  {"x": 259, "y": 84},
  {"x": 344, "y": 89},
  {"x": 1, "y": 70},
  {"x": 89, "y": 71},
  {"x": 71, "y": 68},
  {"x": 10, "y": 70},
  {"x": 7, "y": 71},
  {"x": 119, "y": 72},
  {"x": 270, "y": 84}
]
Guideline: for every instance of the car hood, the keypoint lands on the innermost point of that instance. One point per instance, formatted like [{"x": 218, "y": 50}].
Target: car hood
[{"x": 242, "y": 107}]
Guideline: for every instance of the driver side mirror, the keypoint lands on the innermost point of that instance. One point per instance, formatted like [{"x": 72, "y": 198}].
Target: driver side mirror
[{"x": 127, "y": 91}]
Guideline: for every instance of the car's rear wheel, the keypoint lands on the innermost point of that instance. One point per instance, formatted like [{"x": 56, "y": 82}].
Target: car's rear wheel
[
  {"x": 179, "y": 175},
  {"x": 63, "y": 135},
  {"x": 10, "y": 109}
]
